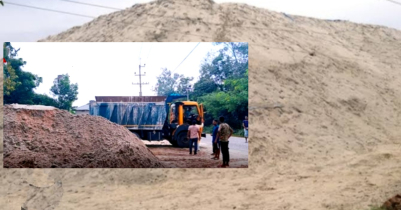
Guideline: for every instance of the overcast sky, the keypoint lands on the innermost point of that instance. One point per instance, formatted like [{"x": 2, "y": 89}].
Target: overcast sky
[
  {"x": 108, "y": 69},
  {"x": 26, "y": 24}
]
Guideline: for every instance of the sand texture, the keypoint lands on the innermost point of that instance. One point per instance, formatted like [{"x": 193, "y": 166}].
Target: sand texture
[{"x": 325, "y": 116}]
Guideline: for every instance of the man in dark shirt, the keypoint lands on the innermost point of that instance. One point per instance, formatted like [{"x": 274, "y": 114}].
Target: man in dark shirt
[
  {"x": 223, "y": 135},
  {"x": 245, "y": 124},
  {"x": 216, "y": 147}
]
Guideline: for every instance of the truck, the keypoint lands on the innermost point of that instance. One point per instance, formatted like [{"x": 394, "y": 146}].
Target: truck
[{"x": 152, "y": 118}]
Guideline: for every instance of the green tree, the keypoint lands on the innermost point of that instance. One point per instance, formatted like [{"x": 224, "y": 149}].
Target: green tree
[
  {"x": 18, "y": 85},
  {"x": 230, "y": 62},
  {"x": 10, "y": 82},
  {"x": 223, "y": 86},
  {"x": 165, "y": 83},
  {"x": 1, "y": 2},
  {"x": 237, "y": 91},
  {"x": 202, "y": 87},
  {"x": 238, "y": 50},
  {"x": 168, "y": 83},
  {"x": 42, "y": 99},
  {"x": 232, "y": 103},
  {"x": 182, "y": 85},
  {"x": 65, "y": 92}
]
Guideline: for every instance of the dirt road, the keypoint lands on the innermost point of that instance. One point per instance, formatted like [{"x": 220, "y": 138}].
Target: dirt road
[{"x": 179, "y": 157}]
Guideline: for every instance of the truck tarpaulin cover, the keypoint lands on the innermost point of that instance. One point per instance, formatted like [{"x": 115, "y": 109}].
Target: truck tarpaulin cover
[{"x": 144, "y": 116}]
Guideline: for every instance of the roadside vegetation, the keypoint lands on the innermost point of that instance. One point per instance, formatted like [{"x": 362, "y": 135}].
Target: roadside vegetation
[{"x": 222, "y": 86}]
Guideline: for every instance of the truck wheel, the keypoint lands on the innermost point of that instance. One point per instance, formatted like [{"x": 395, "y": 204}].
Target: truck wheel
[{"x": 182, "y": 140}]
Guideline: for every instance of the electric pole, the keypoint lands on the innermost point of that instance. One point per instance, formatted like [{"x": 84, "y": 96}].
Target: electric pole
[{"x": 140, "y": 79}]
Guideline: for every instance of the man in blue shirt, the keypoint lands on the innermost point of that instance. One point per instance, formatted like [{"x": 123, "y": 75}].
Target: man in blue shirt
[
  {"x": 245, "y": 124},
  {"x": 216, "y": 147}
]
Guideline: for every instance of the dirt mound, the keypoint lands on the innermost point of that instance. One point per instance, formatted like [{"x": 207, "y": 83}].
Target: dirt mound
[
  {"x": 44, "y": 137},
  {"x": 393, "y": 203}
]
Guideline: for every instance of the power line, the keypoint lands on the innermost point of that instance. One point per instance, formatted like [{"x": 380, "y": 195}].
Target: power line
[
  {"x": 93, "y": 5},
  {"x": 395, "y": 2},
  {"x": 50, "y": 10},
  {"x": 186, "y": 57}
]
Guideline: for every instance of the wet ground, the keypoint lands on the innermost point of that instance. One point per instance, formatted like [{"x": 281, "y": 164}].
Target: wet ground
[{"x": 174, "y": 157}]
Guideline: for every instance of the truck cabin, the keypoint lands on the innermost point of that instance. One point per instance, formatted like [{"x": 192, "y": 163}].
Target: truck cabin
[{"x": 190, "y": 111}]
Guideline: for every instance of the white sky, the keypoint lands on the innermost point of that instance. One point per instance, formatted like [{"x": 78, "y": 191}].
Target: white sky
[
  {"x": 25, "y": 24},
  {"x": 108, "y": 69}
]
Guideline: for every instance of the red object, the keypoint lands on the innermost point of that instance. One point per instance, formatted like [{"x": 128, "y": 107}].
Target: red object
[{"x": 4, "y": 60}]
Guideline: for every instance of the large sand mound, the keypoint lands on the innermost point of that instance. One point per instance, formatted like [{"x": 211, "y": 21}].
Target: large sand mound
[
  {"x": 44, "y": 137},
  {"x": 326, "y": 99}
]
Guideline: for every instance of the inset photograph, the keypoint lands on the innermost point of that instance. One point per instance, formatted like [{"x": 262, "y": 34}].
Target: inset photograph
[{"x": 125, "y": 105}]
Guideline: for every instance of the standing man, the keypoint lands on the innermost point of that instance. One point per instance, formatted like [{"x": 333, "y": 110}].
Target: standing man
[
  {"x": 193, "y": 135},
  {"x": 245, "y": 124},
  {"x": 216, "y": 147},
  {"x": 223, "y": 134}
]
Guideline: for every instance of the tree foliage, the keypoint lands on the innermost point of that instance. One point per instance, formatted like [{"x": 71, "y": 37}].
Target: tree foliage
[
  {"x": 168, "y": 83},
  {"x": 232, "y": 103},
  {"x": 42, "y": 99},
  {"x": 18, "y": 84},
  {"x": 223, "y": 86},
  {"x": 203, "y": 86},
  {"x": 10, "y": 82},
  {"x": 230, "y": 62},
  {"x": 65, "y": 92}
]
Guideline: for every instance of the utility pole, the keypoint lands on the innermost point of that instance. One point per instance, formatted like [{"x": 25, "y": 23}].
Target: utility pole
[{"x": 140, "y": 79}]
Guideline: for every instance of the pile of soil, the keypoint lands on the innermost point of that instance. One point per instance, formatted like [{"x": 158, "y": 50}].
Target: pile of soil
[{"x": 45, "y": 137}]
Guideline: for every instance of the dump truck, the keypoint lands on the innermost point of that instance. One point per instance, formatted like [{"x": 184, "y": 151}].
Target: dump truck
[{"x": 152, "y": 118}]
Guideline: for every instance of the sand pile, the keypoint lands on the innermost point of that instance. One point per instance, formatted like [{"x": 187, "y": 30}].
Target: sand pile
[
  {"x": 44, "y": 137},
  {"x": 324, "y": 123}
]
